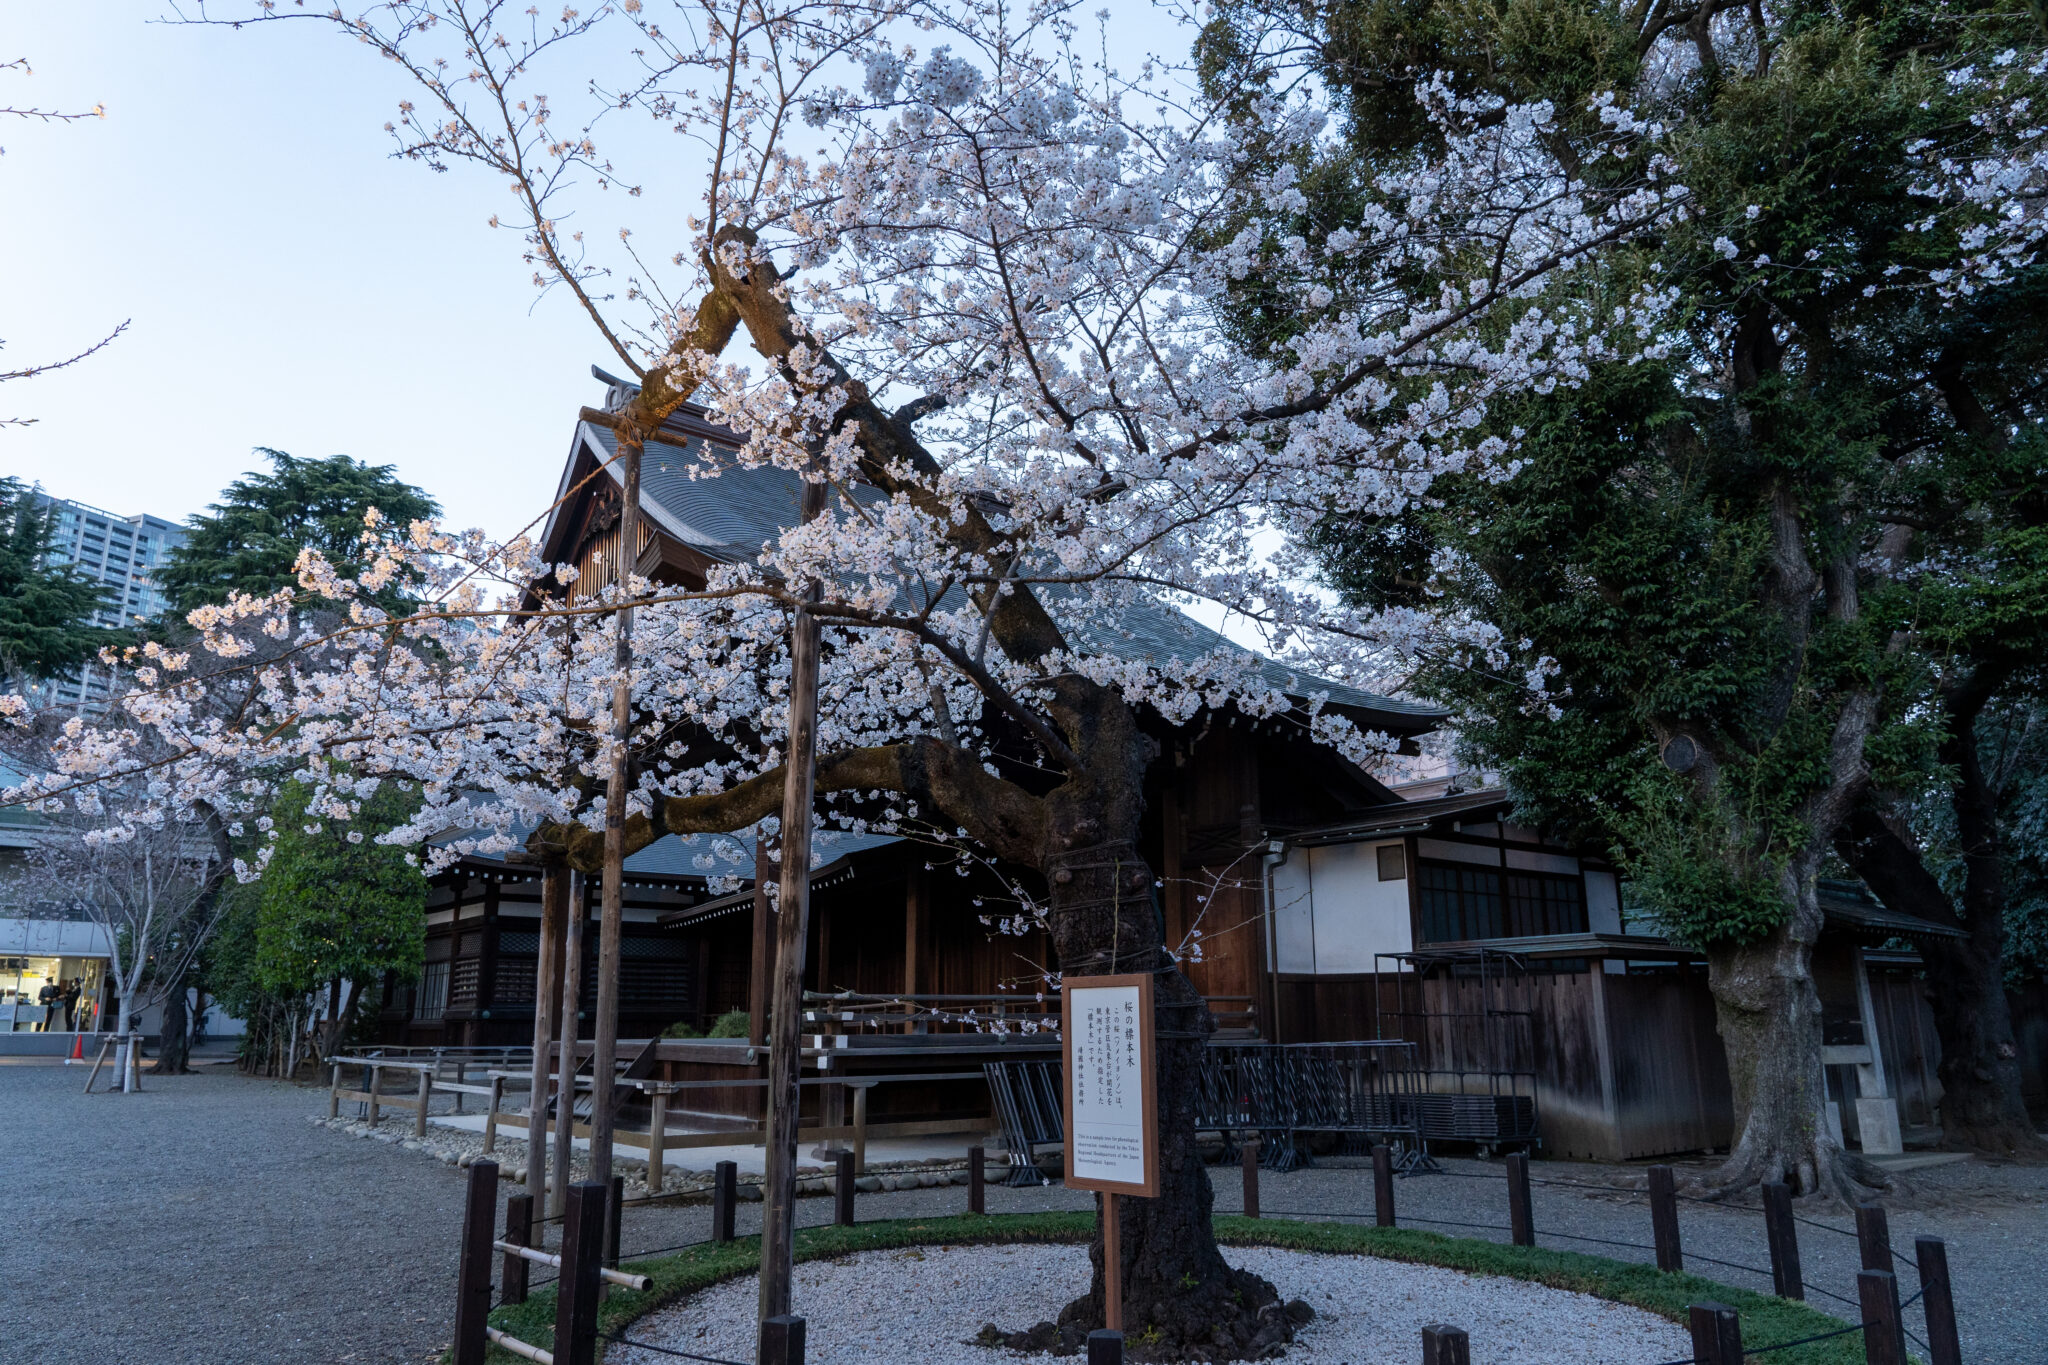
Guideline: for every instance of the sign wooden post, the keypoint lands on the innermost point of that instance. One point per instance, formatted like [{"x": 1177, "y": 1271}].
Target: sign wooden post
[{"x": 1112, "y": 1105}]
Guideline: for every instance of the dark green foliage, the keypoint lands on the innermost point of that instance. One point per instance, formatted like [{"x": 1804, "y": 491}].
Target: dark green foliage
[
  {"x": 44, "y": 610},
  {"x": 1765, "y": 1320},
  {"x": 334, "y": 903},
  {"x": 731, "y": 1024},
  {"x": 253, "y": 535}
]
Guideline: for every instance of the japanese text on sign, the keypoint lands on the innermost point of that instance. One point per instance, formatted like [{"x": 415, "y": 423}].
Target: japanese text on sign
[{"x": 1106, "y": 1039}]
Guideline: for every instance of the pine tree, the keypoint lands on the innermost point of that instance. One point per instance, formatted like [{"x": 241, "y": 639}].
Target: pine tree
[{"x": 45, "y": 610}]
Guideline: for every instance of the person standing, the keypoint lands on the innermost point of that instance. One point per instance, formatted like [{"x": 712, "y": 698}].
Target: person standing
[
  {"x": 47, "y": 997},
  {"x": 72, "y": 991}
]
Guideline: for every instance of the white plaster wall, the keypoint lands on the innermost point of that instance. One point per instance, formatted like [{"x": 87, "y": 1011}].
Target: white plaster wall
[
  {"x": 1294, "y": 933},
  {"x": 1356, "y": 914},
  {"x": 1603, "y": 903}
]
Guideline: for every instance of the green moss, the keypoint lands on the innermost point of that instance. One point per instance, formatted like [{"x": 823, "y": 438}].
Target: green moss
[{"x": 1765, "y": 1320}]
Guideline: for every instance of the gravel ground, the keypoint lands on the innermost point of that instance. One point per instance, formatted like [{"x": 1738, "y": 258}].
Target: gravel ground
[
  {"x": 1368, "y": 1311},
  {"x": 209, "y": 1219}
]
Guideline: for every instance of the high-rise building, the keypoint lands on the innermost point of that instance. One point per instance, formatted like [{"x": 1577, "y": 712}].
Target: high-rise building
[{"x": 123, "y": 553}]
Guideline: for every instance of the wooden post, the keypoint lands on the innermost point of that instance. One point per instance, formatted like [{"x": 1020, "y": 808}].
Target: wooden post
[
  {"x": 1383, "y": 1186},
  {"x": 576, "y": 1299},
  {"x": 572, "y": 1011},
  {"x": 376, "y": 1084},
  {"x": 334, "y": 1094},
  {"x": 612, "y": 897},
  {"x": 860, "y": 1128},
  {"x": 725, "y": 1192},
  {"x": 977, "y": 1187},
  {"x": 792, "y": 924},
  {"x": 614, "y": 1215},
  {"x": 519, "y": 1232},
  {"x": 1521, "y": 1218},
  {"x": 1250, "y": 1156},
  {"x": 1716, "y": 1334},
  {"x": 1783, "y": 1235},
  {"x": 1884, "y": 1340},
  {"x": 1873, "y": 1236},
  {"x": 760, "y": 978},
  {"x": 657, "y": 1132},
  {"x": 419, "y": 1118},
  {"x": 782, "y": 1341},
  {"x": 1446, "y": 1345},
  {"x": 1664, "y": 1221},
  {"x": 1938, "y": 1302},
  {"x": 1112, "y": 1266},
  {"x": 554, "y": 897},
  {"x": 473, "y": 1277},
  {"x": 1105, "y": 1347},
  {"x": 491, "y": 1115},
  {"x": 842, "y": 1189},
  {"x": 461, "y": 1078}
]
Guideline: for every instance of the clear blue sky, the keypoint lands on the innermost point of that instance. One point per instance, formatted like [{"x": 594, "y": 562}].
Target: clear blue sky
[{"x": 290, "y": 285}]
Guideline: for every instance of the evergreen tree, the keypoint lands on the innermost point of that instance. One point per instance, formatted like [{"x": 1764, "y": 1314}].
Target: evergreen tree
[
  {"x": 253, "y": 535},
  {"x": 1714, "y": 575},
  {"x": 45, "y": 609}
]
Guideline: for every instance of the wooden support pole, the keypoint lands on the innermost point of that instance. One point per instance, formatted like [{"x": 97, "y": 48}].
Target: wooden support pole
[
  {"x": 1521, "y": 1217},
  {"x": 1249, "y": 1154},
  {"x": 860, "y": 1129},
  {"x": 334, "y": 1094},
  {"x": 576, "y": 1299},
  {"x": 977, "y": 1185},
  {"x": 1445, "y": 1345},
  {"x": 1938, "y": 1302},
  {"x": 782, "y": 1341},
  {"x": 760, "y": 977},
  {"x": 376, "y": 1089},
  {"x": 1664, "y": 1221},
  {"x": 1112, "y": 1266},
  {"x": 725, "y": 1193},
  {"x": 1782, "y": 1233},
  {"x": 657, "y": 1134},
  {"x": 419, "y": 1118},
  {"x": 1716, "y": 1334},
  {"x": 842, "y": 1189},
  {"x": 519, "y": 1230},
  {"x": 572, "y": 1012},
  {"x": 491, "y": 1115},
  {"x": 614, "y": 1217},
  {"x": 1884, "y": 1341},
  {"x": 461, "y": 1078},
  {"x": 1105, "y": 1347},
  {"x": 792, "y": 925},
  {"x": 554, "y": 901},
  {"x": 473, "y": 1275},
  {"x": 1873, "y": 1236},
  {"x": 1383, "y": 1186}
]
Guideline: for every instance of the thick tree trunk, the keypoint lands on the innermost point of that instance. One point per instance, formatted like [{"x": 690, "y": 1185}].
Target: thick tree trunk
[
  {"x": 1181, "y": 1300},
  {"x": 1769, "y": 1016},
  {"x": 174, "y": 1049}
]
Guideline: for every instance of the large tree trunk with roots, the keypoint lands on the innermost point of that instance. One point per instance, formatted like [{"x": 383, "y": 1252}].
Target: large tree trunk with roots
[
  {"x": 174, "y": 1048},
  {"x": 1181, "y": 1301},
  {"x": 1769, "y": 1016}
]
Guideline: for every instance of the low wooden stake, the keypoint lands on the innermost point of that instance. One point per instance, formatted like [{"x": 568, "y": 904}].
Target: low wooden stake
[
  {"x": 842, "y": 1189},
  {"x": 419, "y": 1118},
  {"x": 518, "y": 1228},
  {"x": 1873, "y": 1236},
  {"x": 614, "y": 1217},
  {"x": 1445, "y": 1345},
  {"x": 1783, "y": 1235},
  {"x": 1664, "y": 1220},
  {"x": 782, "y": 1341},
  {"x": 977, "y": 1184},
  {"x": 473, "y": 1273},
  {"x": 582, "y": 1253},
  {"x": 1716, "y": 1334},
  {"x": 1383, "y": 1186},
  {"x": 1105, "y": 1347},
  {"x": 1251, "y": 1178},
  {"x": 1937, "y": 1302},
  {"x": 1521, "y": 1218},
  {"x": 1877, "y": 1291},
  {"x": 725, "y": 1192}
]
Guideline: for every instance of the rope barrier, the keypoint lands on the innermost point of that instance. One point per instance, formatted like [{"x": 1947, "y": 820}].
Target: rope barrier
[
  {"x": 1807, "y": 1341},
  {"x": 624, "y": 1340}
]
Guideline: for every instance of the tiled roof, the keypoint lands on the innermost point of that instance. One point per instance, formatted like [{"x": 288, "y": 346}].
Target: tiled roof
[
  {"x": 1405, "y": 815},
  {"x": 733, "y": 513}
]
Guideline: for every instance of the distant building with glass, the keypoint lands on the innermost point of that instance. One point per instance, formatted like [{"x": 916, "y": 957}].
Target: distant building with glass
[{"x": 122, "y": 553}]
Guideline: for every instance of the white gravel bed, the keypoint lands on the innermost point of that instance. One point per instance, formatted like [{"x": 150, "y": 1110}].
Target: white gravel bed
[{"x": 923, "y": 1305}]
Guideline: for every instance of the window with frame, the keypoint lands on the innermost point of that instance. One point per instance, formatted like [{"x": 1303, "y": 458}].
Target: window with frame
[
  {"x": 1461, "y": 902},
  {"x": 431, "y": 1000}
]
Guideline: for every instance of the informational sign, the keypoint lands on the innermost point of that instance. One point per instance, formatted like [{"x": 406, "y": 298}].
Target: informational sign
[{"x": 1112, "y": 1109}]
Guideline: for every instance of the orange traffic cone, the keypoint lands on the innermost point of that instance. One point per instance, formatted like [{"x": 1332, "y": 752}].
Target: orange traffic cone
[{"x": 77, "y": 1050}]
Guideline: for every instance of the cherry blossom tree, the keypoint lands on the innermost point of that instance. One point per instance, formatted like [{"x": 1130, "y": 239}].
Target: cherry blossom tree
[{"x": 979, "y": 275}]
